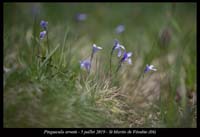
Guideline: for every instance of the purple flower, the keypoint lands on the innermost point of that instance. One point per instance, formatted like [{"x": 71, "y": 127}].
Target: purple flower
[
  {"x": 95, "y": 48},
  {"x": 85, "y": 64},
  {"x": 149, "y": 67},
  {"x": 119, "y": 29},
  {"x": 44, "y": 24},
  {"x": 127, "y": 57},
  {"x": 118, "y": 47},
  {"x": 81, "y": 16},
  {"x": 42, "y": 34}
]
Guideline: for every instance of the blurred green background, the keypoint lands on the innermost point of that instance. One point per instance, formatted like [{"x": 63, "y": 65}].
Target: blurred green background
[{"x": 162, "y": 34}]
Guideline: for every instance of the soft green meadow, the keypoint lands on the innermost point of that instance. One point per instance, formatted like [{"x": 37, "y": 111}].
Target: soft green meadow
[{"x": 45, "y": 87}]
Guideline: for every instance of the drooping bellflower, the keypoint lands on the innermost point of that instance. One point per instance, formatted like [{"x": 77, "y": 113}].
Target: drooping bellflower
[
  {"x": 118, "y": 47},
  {"x": 95, "y": 48},
  {"x": 127, "y": 57},
  {"x": 44, "y": 24},
  {"x": 85, "y": 64},
  {"x": 149, "y": 67},
  {"x": 42, "y": 34}
]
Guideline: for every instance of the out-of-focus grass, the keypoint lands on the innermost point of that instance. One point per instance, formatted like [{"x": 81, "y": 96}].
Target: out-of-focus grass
[{"x": 162, "y": 34}]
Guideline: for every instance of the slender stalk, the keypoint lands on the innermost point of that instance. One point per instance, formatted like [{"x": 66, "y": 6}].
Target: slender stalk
[
  {"x": 48, "y": 47},
  {"x": 34, "y": 36},
  {"x": 91, "y": 57},
  {"x": 119, "y": 66},
  {"x": 96, "y": 68},
  {"x": 39, "y": 52},
  {"x": 88, "y": 71},
  {"x": 136, "y": 83},
  {"x": 111, "y": 63}
]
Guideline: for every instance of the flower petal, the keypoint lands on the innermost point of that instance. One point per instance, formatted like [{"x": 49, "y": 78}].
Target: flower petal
[
  {"x": 99, "y": 47},
  {"x": 116, "y": 41},
  {"x": 129, "y": 54},
  {"x": 122, "y": 47},
  {"x": 85, "y": 64},
  {"x": 151, "y": 66},
  {"x": 129, "y": 61},
  {"x": 119, "y": 52},
  {"x": 94, "y": 45},
  {"x": 42, "y": 34},
  {"x": 44, "y": 24},
  {"x": 154, "y": 69}
]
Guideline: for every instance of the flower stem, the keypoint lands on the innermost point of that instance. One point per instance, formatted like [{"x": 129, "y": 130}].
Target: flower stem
[
  {"x": 119, "y": 66},
  {"x": 39, "y": 52},
  {"x": 91, "y": 57},
  {"x": 48, "y": 48},
  {"x": 34, "y": 36},
  {"x": 111, "y": 63}
]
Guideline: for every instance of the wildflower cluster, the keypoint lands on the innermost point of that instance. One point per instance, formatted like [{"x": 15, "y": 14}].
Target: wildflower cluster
[
  {"x": 122, "y": 54},
  {"x": 86, "y": 64}
]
